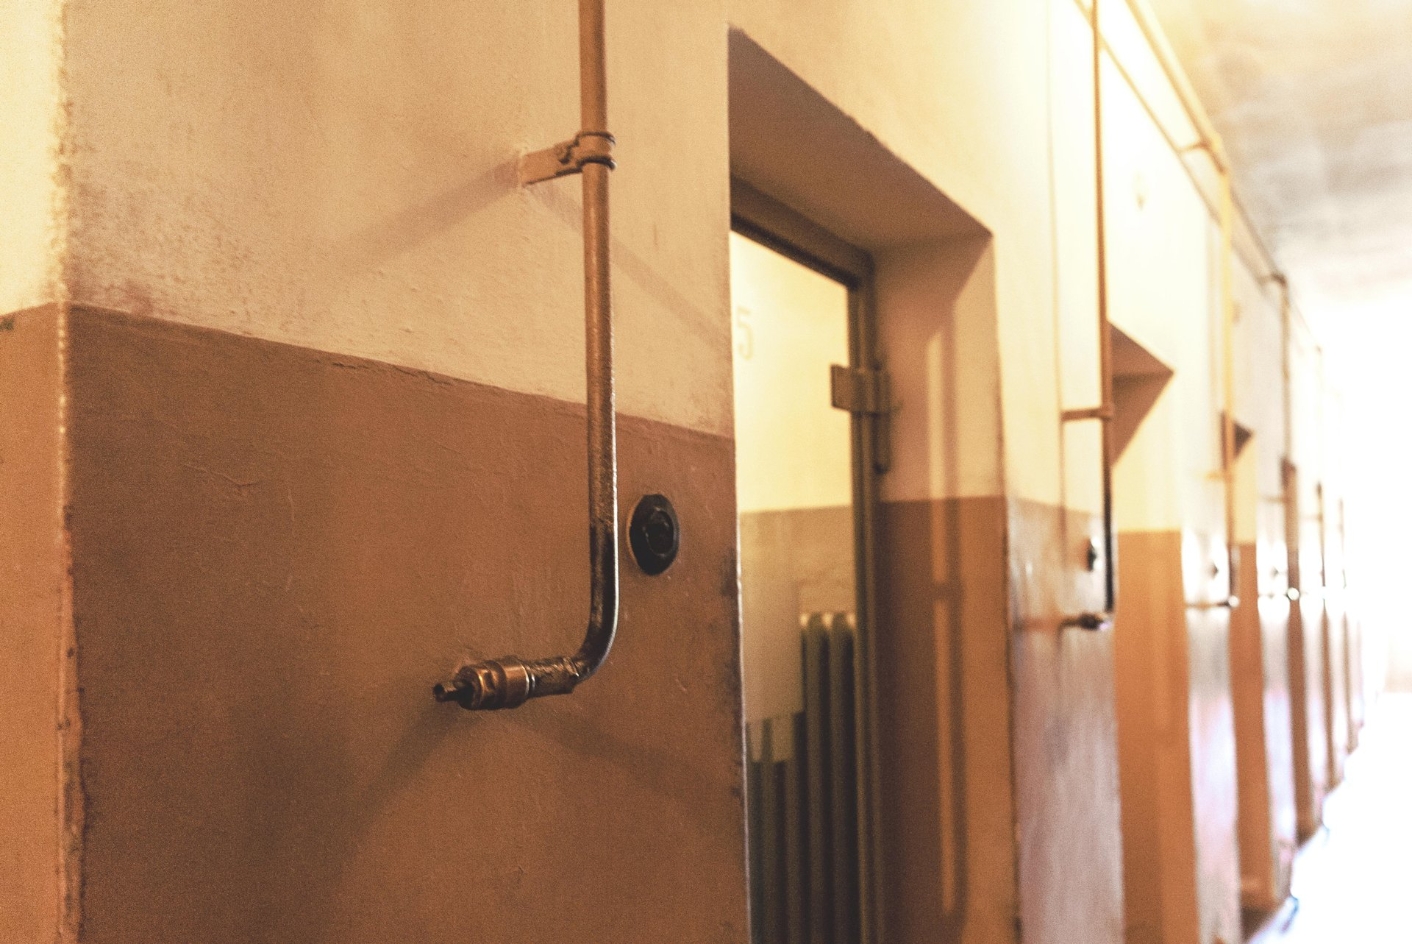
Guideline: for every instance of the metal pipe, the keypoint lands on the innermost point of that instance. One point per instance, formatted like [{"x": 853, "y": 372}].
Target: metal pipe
[
  {"x": 1104, "y": 411},
  {"x": 510, "y": 681},
  {"x": 1176, "y": 78},
  {"x": 1201, "y": 123},
  {"x": 1105, "y": 332},
  {"x": 1228, "y": 431},
  {"x": 1286, "y": 377},
  {"x": 1210, "y": 141},
  {"x": 1288, "y": 481}
]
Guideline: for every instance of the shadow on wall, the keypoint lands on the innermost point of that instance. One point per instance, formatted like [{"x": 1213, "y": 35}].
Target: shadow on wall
[{"x": 947, "y": 820}]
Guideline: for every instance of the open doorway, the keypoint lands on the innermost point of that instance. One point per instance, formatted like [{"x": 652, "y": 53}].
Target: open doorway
[{"x": 804, "y": 510}]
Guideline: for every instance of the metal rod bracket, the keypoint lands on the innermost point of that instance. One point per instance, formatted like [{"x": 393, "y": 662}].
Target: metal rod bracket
[
  {"x": 1104, "y": 413},
  {"x": 567, "y": 157},
  {"x": 1093, "y": 622},
  {"x": 1229, "y": 603}
]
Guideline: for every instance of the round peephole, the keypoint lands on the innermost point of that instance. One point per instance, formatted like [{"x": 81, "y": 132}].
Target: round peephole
[{"x": 654, "y": 534}]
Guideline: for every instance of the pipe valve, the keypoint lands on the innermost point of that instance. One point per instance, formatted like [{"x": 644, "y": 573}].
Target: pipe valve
[{"x": 508, "y": 682}]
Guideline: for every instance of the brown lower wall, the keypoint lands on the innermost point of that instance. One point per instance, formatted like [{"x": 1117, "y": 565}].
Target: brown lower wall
[
  {"x": 1336, "y": 688},
  {"x": 1000, "y": 795},
  {"x": 1275, "y": 613},
  {"x": 32, "y": 625},
  {"x": 1311, "y": 727},
  {"x": 944, "y": 717},
  {"x": 277, "y": 552},
  {"x": 1306, "y": 815},
  {"x": 1357, "y": 681},
  {"x": 1176, "y": 746},
  {"x": 1260, "y": 701},
  {"x": 1064, "y": 743}
]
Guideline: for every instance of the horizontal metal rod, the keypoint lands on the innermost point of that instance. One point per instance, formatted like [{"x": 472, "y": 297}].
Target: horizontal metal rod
[
  {"x": 1094, "y": 622},
  {"x": 1230, "y": 603},
  {"x": 1104, "y": 413}
]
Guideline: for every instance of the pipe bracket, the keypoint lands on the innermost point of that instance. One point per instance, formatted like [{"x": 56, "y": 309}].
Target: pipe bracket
[
  {"x": 567, "y": 157},
  {"x": 1229, "y": 603},
  {"x": 1093, "y": 622},
  {"x": 509, "y": 682}
]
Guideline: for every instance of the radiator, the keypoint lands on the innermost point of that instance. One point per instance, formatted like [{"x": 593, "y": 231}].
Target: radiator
[{"x": 801, "y": 781}]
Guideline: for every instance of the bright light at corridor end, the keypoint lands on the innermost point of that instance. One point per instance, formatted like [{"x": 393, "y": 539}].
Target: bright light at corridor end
[{"x": 1368, "y": 358}]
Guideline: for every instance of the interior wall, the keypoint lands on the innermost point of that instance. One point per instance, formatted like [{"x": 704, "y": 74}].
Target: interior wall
[
  {"x": 1175, "y": 724},
  {"x": 1336, "y": 596},
  {"x": 946, "y": 749},
  {"x": 985, "y": 149},
  {"x": 342, "y": 176},
  {"x": 946, "y": 853},
  {"x": 938, "y": 333},
  {"x": 33, "y": 618},
  {"x": 339, "y": 178},
  {"x": 964, "y": 97},
  {"x": 1307, "y": 630},
  {"x": 793, "y": 455},
  {"x": 277, "y": 551},
  {"x": 1260, "y": 633}
]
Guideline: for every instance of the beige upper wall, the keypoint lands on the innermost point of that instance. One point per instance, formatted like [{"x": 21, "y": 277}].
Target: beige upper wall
[
  {"x": 1163, "y": 294},
  {"x": 993, "y": 104},
  {"x": 30, "y": 60},
  {"x": 937, "y": 331},
  {"x": 1306, "y": 390},
  {"x": 958, "y": 93},
  {"x": 1259, "y": 342},
  {"x": 341, "y": 176}
]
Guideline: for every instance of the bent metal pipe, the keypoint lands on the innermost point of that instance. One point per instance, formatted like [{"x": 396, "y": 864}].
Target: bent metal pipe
[
  {"x": 1104, "y": 412},
  {"x": 510, "y": 681}
]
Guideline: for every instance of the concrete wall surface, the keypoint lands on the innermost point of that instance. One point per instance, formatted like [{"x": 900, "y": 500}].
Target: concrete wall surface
[{"x": 306, "y": 407}]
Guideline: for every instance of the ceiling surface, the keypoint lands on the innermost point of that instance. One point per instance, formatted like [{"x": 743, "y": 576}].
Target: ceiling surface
[{"x": 1314, "y": 101}]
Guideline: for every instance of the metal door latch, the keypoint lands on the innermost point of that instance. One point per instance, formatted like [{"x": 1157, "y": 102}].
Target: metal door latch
[
  {"x": 867, "y": 393},
  {"x": 861, "y": 391}
]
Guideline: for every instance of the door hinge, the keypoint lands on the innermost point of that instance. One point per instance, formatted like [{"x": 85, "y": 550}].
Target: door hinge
[
  {"x": 861, "y": 391},
  {"x": 867, "y": 393}
]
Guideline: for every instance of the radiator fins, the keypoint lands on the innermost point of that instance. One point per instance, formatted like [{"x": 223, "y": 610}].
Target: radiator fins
[{"x": 801, "y": 775}]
